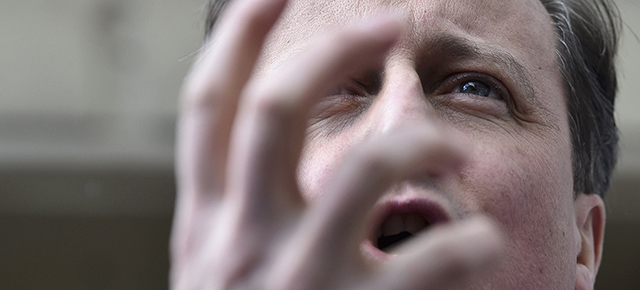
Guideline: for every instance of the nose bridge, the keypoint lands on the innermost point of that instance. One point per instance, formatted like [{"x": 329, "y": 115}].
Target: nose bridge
[{"x": 402, "y": 98}]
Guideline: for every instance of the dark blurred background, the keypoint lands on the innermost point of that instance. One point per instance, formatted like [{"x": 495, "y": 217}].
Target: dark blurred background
[{"x": 88, "y": 94}]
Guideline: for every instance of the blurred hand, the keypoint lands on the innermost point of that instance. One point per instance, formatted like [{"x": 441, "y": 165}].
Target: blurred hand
[{"x": 241, "y": 221}]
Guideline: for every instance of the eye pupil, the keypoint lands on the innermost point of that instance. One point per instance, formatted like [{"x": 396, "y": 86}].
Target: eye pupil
[{"x": 475, "y": 88}]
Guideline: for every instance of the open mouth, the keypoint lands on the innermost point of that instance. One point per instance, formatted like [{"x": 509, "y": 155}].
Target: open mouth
[
  {"x": 399, "y": 222},
  {"x": 398, "y": 228}
]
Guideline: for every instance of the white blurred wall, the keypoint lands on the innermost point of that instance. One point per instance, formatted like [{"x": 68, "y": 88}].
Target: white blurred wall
[{"x": 92, "y": 83}]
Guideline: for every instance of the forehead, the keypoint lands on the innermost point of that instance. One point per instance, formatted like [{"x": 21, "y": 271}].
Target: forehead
[
  {"x": 521, "y": 28},
  {"x": 469, "y": 14}
]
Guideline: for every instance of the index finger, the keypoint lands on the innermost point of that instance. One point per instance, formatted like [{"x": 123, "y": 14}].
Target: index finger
[{"x": 211, "y": 92}]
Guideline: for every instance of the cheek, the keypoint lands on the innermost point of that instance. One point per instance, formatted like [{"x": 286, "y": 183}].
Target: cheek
[
  {"x": 529, "y": 194},
  {"x": 515, "y": 190},
  {"x": 312, "y": 173},
  {"x": 318, "y": 162},
  {"x": 321, "y": 157}
]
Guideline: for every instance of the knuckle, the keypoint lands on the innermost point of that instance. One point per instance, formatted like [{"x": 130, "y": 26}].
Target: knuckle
[
  {"x": 353, "y": 35},
  {"x": 373, "y": 159},
  {"x": 375, "y": 162},
  {"x": 355, "y": 45},
  {"x": 456, "y": 261},
  {"x": 198, "y": 95},
  {"x": 438, "y": 145},
  {"x": 348, "y": 44},
  {"x": 252, "y": 17},
  {"x": 272, "y": 106},
  {"x": 257, "y": 18}
]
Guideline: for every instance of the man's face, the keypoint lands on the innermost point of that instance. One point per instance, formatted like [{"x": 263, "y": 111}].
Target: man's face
[{"x": 485, "y": 71}]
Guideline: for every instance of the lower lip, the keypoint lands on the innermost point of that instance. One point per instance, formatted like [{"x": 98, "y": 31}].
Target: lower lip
[{"x": 371, "y": 252}]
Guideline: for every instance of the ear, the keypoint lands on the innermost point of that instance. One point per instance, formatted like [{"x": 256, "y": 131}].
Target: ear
[{"x": 590, "y": 221}]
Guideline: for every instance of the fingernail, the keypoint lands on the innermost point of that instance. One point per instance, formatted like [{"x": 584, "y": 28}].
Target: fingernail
[
  {"x": 386, "y": 26},
  {"x": 486, "y": 240}
]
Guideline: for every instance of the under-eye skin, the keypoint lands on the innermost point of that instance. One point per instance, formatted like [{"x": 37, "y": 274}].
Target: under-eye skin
[{"x": 340, "y": 108}]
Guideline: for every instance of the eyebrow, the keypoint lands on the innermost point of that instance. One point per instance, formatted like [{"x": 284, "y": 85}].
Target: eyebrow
[{"x": 453, "y": 46}]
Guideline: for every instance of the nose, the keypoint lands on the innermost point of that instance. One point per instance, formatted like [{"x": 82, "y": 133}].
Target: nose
[{"x": 402, "y": 100}]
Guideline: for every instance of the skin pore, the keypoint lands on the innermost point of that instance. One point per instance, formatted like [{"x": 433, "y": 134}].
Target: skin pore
[{"x": 519, "y": 163}]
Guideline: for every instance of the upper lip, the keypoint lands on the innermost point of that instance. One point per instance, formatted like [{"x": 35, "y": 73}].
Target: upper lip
[{"x": 432, "y": 211}]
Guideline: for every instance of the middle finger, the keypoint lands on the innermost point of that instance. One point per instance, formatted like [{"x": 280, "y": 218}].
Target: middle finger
[{"x": 268, "y": 138}]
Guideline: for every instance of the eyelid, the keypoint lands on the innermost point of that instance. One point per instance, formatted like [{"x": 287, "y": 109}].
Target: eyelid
[{"x": 350, "y": 87}]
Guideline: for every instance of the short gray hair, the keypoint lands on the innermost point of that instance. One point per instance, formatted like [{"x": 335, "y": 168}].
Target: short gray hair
[{"x": 588, "y": 36}]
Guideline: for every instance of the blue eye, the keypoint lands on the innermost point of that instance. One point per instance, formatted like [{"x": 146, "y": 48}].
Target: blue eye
[{"x": 475, "y": 88}]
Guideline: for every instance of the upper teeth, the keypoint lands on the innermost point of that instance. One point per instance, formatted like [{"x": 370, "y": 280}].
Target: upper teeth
[{"x": 397, "y": 223}]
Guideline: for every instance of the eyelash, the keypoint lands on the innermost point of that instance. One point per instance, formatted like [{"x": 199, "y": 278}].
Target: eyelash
[
  {"x": 350, "y": 88},
  {"x": 452, "y": 85}
]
